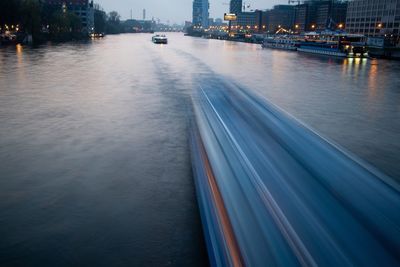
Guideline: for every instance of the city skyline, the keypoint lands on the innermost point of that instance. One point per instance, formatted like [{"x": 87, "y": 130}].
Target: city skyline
[{"x": 166, "y": 10}]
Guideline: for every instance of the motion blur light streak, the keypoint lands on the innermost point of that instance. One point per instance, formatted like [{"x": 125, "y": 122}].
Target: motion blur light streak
[
  {"x": 227, "y": 239},
  {"x": 269, "y": 202},
  {"x": 292, "y": 197}
]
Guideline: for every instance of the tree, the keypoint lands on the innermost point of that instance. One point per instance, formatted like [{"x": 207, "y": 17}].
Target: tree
[
  {"x": 31, "y": 17},
  {"x": 100, "y": 21},
  {"x": 113, "y": 23},
  {"x": 65, "y": 26},
  {"x": 75, "y": 25},
  {"x": 114, "y": 17}
]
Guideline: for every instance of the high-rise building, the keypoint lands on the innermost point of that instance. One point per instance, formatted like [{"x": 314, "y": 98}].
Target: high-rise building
[
  {"x": 303, "y": 17},
  {"x": 235, "y": 6},
  {"x": 246, "y": 21},
  {"x": 200, "y": 13},
  {"x": 281, "y": 16},
  {"x": 315, "y": 15},
  {"x": 373, "y": 17},
  {"x": 330, "y": 15}
]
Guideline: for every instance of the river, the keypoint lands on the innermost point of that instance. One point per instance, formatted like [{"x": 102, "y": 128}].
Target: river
[{"x": 95, "y": 166}]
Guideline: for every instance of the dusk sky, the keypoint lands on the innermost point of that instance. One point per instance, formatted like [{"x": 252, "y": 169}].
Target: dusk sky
[{"x": 176, "y": 11}]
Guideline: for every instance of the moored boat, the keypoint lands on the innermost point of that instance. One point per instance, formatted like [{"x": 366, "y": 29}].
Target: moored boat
[
  {"x": 322, "y": 48},
  {"x": 384, "y": 47},
  {"x": 337, "y": 45},
  {"x": 280, "y": 43},
  {"x": 8, "y": 39}
]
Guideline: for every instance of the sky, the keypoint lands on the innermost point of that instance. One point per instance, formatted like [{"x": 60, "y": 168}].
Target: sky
[{"x": 176, "y": 11}]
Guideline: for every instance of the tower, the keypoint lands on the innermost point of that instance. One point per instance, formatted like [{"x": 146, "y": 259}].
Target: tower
[
  {"x": 200, "y": 13},
  {"x": 235, "y": 6}
]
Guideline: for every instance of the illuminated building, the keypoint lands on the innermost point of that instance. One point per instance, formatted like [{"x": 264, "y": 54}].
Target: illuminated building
[
  {"x": 250, "y": 21},
  {"x": 281, "y": 16},
  {"x": 320, "y": 15},
  {"x": 373, "y": 17},
  {"x": 200, "y": 13}
]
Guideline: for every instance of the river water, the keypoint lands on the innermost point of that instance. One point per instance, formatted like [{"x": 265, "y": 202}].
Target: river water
[{"x": 94, "y": 157}]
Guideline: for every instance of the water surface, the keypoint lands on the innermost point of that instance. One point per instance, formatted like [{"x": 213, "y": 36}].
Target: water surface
[{"x": 95, "y": 165}]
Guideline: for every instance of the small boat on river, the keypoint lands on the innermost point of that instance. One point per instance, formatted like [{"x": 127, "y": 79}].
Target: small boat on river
[{"x": 160, "y": 39}]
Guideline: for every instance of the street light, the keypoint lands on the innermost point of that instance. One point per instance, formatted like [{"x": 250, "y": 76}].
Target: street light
[
  {"x": 340, "y": 26},
  {"x": 380, "y": 25}
]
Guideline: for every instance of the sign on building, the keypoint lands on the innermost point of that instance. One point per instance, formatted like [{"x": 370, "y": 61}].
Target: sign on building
[{"x": 230, "y": 17}]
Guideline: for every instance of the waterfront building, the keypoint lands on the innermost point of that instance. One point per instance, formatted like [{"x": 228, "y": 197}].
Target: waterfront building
[
  {"x": 374, "y": 17},
  {"x": 302, "y": 18},
  {"x": 264, "y": 21},
  {"x": 200, "y": 13},
  {"x": 187, "y": 25},
  {"x": 218, "y": 22},
  {"x": 330, "y": 15},
  {"x": 210, "y": 22},
  {"x": 235, "y": 6},
  {"x": 253, "y": 21},
  {"x": 246, "y": 20},
  {"x": 316, "y": 15},
  {"x": 84, "y": 9},
  {"x": 280, "y": 17}
]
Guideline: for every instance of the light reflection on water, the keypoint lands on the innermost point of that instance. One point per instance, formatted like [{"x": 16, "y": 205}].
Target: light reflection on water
[
  {"x": 333, "y": 96},
  {"x": 93, "y": 139}
]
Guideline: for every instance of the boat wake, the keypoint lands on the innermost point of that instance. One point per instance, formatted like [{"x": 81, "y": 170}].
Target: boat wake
[{"x": 272, "y": 192}]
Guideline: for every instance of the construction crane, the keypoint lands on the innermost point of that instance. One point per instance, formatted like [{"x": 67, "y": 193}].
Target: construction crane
[{"x": 245, "y": 5}]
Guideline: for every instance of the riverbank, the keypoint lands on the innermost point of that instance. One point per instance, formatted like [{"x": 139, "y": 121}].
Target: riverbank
[
  {"x": 381, "y": 51},
  {"x": 13, "y": 38},
  {"x": 242, "y": 38}
]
